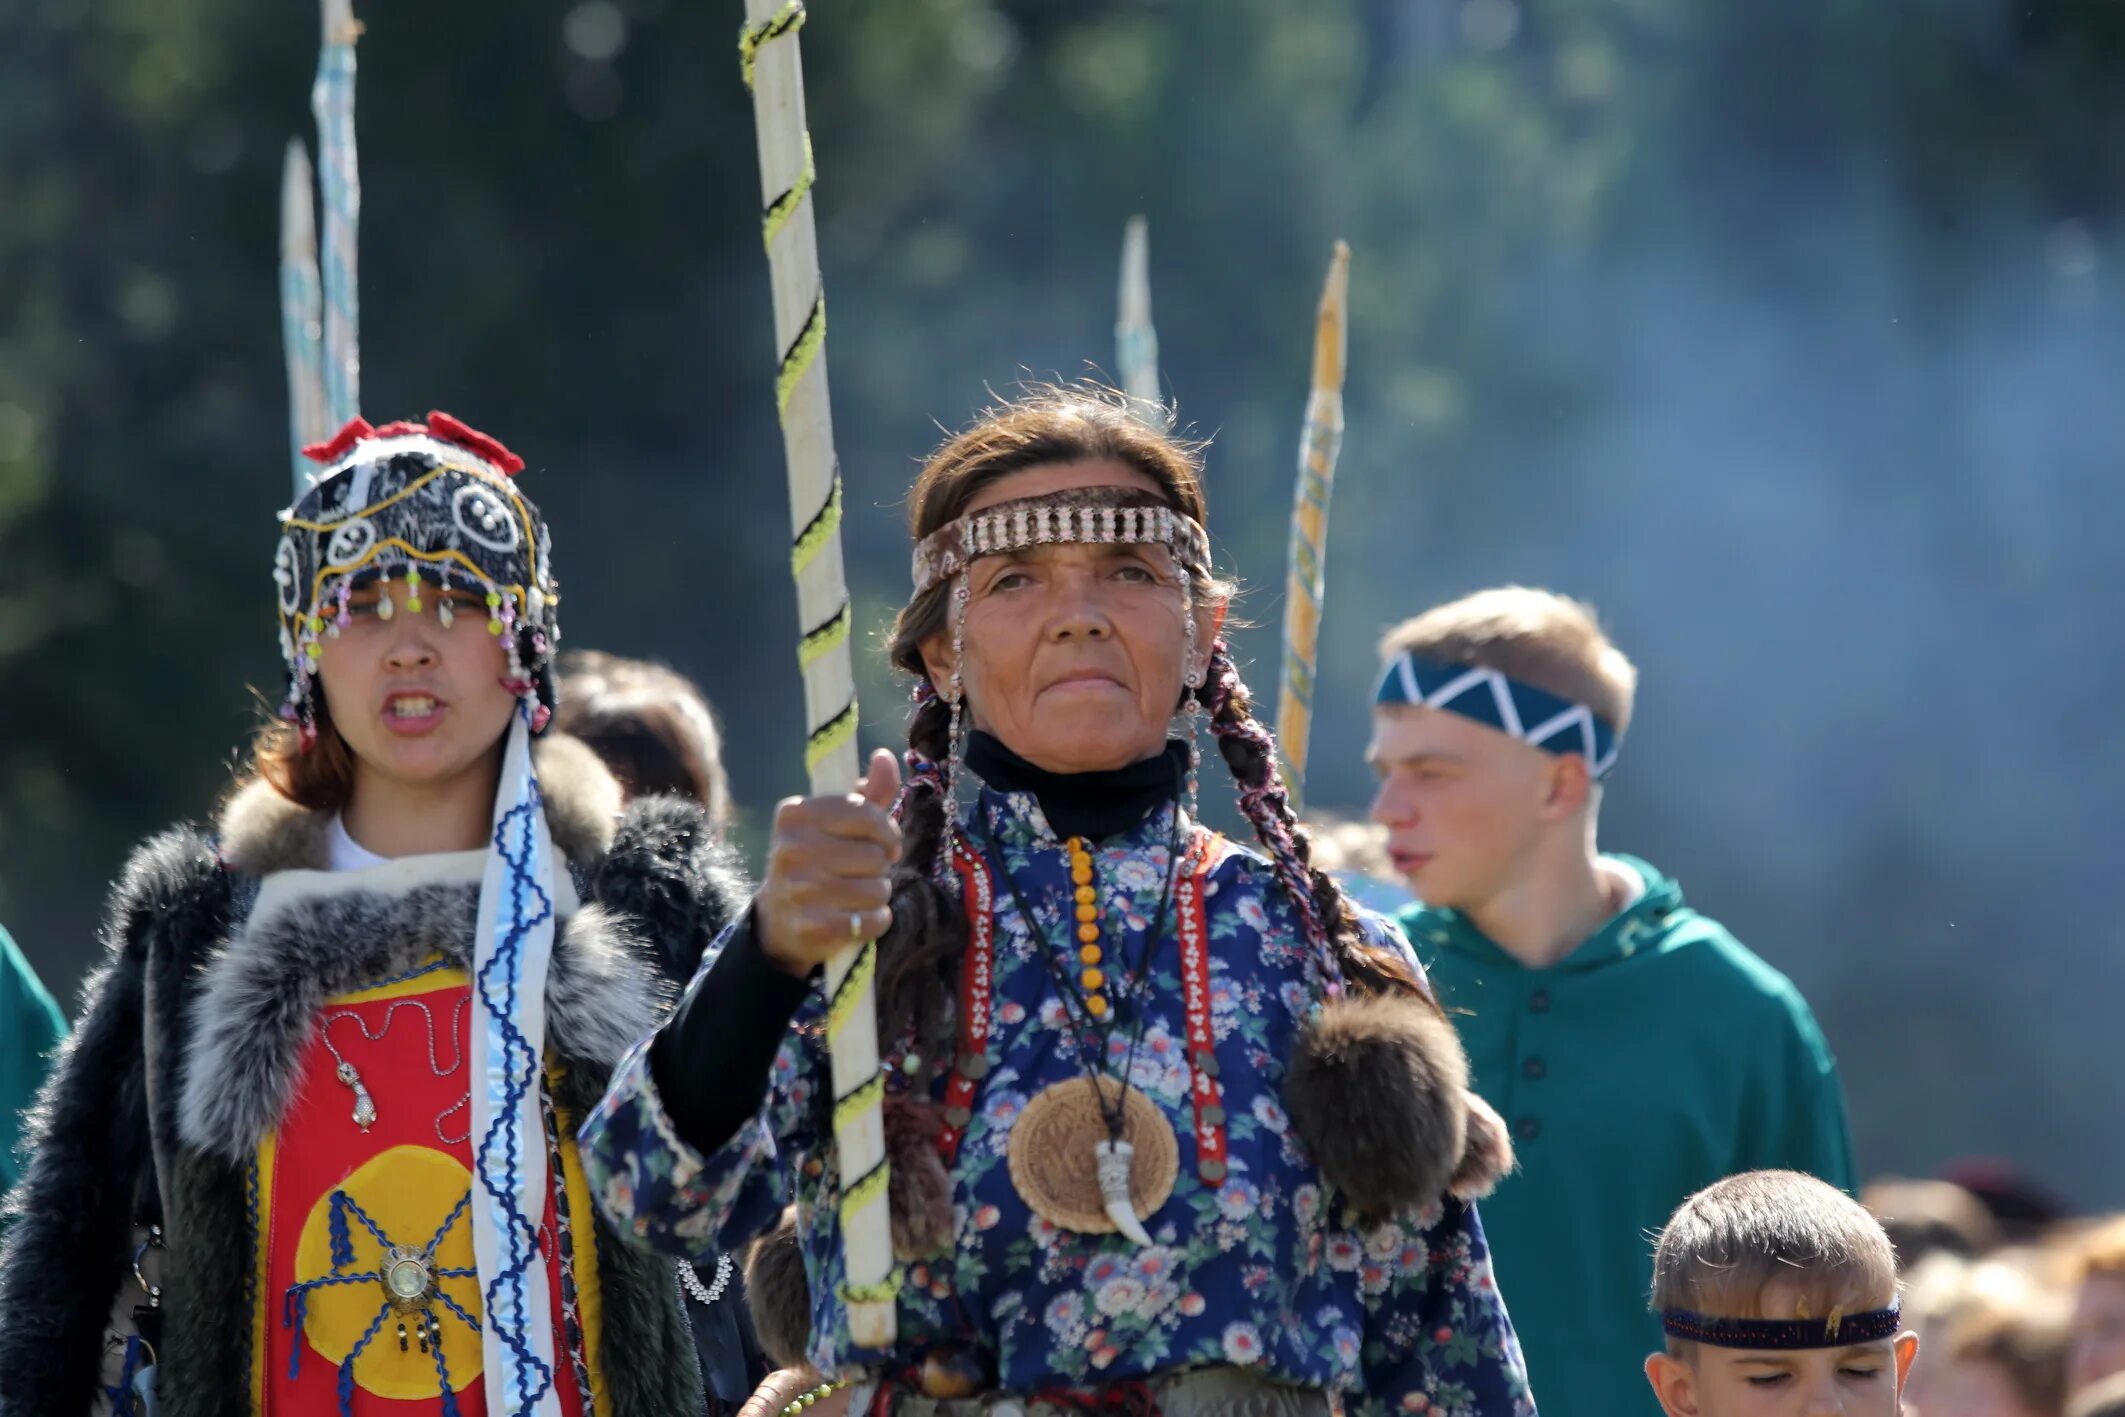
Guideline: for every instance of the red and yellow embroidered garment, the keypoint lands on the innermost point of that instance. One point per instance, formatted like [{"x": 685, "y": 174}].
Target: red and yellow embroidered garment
[{"x": 367, "y": 1303}]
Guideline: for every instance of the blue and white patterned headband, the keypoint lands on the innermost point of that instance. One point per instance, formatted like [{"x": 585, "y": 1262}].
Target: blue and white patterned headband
[
  {"x": 1534, "y": 716},
  {"x": 1836, "y": 1331}
]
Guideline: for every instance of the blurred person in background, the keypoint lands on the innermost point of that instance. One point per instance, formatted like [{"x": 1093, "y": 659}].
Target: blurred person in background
[
  {"x": 2105, "y": 1399},
  {"x": 654, "y": 729},
  {"x": 2024, "y": 1209},
  {"x": 1637, "y": 1051},
  {"x": 1932, "y": 1291},
  {"x": 649, "y": 724},
  {"x": 30, "y": 1028},
  {"x": 253, "y": 1187},
  {"x": 1926, "y": 1218},
  {"x": 2099, "y": 1306},
  {"x": 2005, "y": 1354},
  {"x": 1355, "y": 853}
]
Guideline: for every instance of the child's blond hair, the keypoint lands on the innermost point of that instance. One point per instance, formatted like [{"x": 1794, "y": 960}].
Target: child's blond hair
[{"x": 1728, "y": 1243}]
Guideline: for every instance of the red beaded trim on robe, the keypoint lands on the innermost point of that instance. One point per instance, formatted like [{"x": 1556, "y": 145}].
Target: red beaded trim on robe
[{"x": 977, "y": 984}]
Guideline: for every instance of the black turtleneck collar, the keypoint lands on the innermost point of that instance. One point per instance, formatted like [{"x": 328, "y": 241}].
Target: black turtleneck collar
[{"x": 1088, "y": 804}]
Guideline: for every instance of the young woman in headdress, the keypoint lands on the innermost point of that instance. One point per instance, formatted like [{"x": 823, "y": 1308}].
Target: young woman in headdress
[
  {"x": 1173, "y": 1126},
  {"x": 310, "y": 1149}
]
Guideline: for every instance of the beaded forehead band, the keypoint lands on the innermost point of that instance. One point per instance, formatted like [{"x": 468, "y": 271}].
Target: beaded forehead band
[
  {"x": 1836, "y": 1331},
  {"x": 1121, "y": 516},
  {"x": 1534, "y": 716}
]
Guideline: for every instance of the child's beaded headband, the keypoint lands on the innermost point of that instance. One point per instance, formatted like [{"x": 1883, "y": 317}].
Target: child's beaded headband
[
  {"x": 1127, "y": 516},
  {"x": 425, "y": 507},
  {"x": 1836, "y": 1331}
]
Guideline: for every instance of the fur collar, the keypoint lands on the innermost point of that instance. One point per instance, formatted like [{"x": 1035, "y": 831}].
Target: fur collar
[
  {"x": 314, "y": 934},
  {"x": 263, "y": 832}
]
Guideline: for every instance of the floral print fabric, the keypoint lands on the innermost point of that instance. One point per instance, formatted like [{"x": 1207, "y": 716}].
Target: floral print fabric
[{"x": 1264, "y": 1271}]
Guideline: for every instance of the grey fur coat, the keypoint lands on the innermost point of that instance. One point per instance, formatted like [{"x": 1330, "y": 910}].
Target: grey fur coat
[{"x": 219, "y": 952}]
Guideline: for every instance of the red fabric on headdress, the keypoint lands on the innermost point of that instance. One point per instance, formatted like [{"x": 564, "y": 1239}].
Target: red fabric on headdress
[
  {"x": 439, "y": 425},
  {"x": 450, "y": 430},
  {"x": 341, "y": 442}
]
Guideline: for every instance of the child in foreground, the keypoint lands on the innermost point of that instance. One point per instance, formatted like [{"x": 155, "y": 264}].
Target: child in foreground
[{"x": 1778, "y": 1295}]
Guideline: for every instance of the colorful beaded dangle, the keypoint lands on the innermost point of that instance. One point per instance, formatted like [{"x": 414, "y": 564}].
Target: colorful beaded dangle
[
  {"x": 494, "y": 612},
  {"x": 413, "y": 589},
  {"x": 1090, "y": 976}
]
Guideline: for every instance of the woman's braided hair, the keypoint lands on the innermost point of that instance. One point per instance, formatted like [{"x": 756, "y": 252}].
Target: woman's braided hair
[{"x": 1049, "y": 426}]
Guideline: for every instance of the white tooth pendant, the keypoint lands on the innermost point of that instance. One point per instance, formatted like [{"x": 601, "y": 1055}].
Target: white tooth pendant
[
  {"x": 364, "y": 1104},
  {"x": 384, "y": 610},
  {"x": 1113, "y": 1160},
  {"x": 443, "y": 612}
]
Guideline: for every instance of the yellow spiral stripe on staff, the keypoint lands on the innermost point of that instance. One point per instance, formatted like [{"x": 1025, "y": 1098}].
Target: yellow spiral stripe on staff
[
  {"x": 826, "y": 639},
  {"x": 802, "y": 352},
  {"x": 824, "y": 526},
  {"x": 883, "y": 1292},
  {"x": 788, "y": 20},
  {"x": 870, "y": 1189},
  {"x": 853, "y": 992},
  {"x": 829, "y": 737},
  {"x": 863, "y": 1099},
  {"x": 783, "y": 207}
]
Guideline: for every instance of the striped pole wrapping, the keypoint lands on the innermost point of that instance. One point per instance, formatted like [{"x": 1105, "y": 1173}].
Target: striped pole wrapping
[
  {"x": 1135, "y": 341},
  {"x": 773, "y": 67},
  {"x": 340, "y": 188},
  {"x": 301, "y": 312},
  {"x": 1305, "y": 579}
]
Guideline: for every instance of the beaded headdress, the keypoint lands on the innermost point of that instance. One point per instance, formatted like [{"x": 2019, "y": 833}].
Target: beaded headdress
[{"x": 414, "y": 508}]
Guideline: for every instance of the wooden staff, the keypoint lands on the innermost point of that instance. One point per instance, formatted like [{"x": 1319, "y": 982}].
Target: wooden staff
[
  {"x": 301, "y": 312},
  {"x": 773, "y": 68},
  {"x": 1306, "y": 577}
]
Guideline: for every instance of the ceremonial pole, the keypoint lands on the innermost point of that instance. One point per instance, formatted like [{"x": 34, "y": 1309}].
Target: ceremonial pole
[
  {"x": 1305, "y": 579},
  {"x": 340, "y": 186},
  {"x": 301, "y": 312},
  {"x": 774, "y": 71},
  {"x": 1135, "y": 341}
]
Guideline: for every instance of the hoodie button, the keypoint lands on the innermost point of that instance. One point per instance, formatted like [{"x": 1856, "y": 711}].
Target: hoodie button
[
  {"x": 1529, "y": 1128},
  {"x": 1535, "y": 1069},
  {"x": 1538, "y": 1002}
]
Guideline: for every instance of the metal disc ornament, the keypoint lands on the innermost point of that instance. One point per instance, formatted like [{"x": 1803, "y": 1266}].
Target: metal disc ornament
[{"x": 1056, "y": 1153}]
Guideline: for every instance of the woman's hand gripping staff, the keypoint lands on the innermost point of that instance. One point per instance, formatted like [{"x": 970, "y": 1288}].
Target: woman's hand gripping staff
[{"x": 829, "y": 871}]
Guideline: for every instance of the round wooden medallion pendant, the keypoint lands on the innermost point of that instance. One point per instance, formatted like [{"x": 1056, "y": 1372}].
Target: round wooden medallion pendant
[{"x": 1054, "y": 1159}]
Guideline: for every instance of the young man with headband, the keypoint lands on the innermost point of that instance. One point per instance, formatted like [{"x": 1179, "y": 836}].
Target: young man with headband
[{"x": 1635, "y": 1049}]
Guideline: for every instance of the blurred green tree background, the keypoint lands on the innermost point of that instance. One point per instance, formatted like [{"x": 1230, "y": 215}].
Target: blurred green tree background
[{"x": 1781, "y": 332}]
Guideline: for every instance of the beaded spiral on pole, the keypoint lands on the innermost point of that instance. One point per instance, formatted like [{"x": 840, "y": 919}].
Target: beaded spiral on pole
[{"x": 772, "y": 64}]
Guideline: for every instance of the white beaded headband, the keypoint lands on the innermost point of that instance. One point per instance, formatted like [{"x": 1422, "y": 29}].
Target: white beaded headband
[{"x": 1124, "y": 516}]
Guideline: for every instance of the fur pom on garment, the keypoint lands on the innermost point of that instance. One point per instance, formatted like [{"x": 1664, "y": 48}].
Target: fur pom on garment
[
  {"x": 1378, "y": 1092},
  {"x": 1488, "y": 1156},
  {"x": 919, "y": 1192},
  {"x": 779, "y": 1295}
]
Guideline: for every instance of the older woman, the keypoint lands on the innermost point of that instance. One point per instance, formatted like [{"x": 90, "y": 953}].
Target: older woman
[{"x": 1174, "y": 1127}]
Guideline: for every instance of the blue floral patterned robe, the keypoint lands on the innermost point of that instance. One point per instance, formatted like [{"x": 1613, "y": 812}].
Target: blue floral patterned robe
[{"x": 1263, "y": 1271}]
